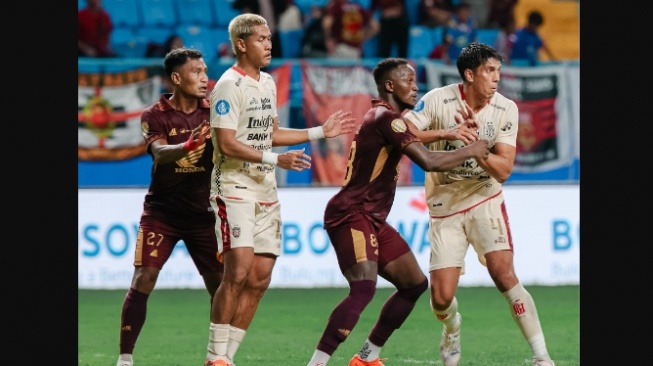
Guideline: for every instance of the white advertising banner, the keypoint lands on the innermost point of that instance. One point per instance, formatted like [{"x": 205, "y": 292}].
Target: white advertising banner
[{"x": 545, "y": 223}]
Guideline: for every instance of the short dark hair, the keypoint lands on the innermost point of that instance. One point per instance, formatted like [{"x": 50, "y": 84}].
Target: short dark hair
[
  {"x": 475, "y": 55},
  {"x": 384, "y": 66},
  {"x": 178, "y": 57},
  {"x": 535, "y": 18}
]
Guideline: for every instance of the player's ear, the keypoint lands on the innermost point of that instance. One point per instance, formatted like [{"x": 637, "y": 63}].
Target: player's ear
[
  {"x": 174, "y": 77},
  {"x": 240, "y": 45},
  {"x": 389, "y": 86},
  {"x": 469, "y": 75}
]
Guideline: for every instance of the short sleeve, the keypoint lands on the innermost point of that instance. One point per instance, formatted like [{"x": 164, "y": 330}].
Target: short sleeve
[
  {"x": 423, "y": 112},
  {"x": 395, "y": 131},
  {"x": 152, "y": 127},
  {"x": 225, "y": 105}
]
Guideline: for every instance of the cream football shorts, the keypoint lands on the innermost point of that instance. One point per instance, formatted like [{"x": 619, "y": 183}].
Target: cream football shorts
[
  {"x": 485, "y": 227},
  {"x": 247, "y": 223}
]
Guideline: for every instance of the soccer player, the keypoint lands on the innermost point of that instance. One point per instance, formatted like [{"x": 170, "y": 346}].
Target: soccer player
[
  {"x": 466, "y": 204},
  {"x": 176, "y": 206},
  {"x": 244, "y": 127},
  {"x": 355, "y": 218}
]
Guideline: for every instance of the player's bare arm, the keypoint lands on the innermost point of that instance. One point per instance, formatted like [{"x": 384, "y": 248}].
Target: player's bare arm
[
  {"x": 463, "y": 131},
  {"x": 231, "y": 147},
  {"x": 164, "y": 153},
  {"x": 337, "y": 124},
  {"x": 500, "y": 162},
  {"x": 439, "y": 161}
]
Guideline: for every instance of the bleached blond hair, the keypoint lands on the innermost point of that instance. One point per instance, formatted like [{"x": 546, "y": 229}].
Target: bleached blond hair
[{"x": 241, "y": 27}]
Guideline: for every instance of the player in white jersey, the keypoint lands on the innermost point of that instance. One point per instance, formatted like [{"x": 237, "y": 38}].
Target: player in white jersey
[
  {"x": 466, "y": 204},
  {"x": 244, "y": 128}
]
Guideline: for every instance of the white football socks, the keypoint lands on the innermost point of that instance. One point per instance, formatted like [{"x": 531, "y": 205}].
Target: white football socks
[{"x": 522, "y": 308}]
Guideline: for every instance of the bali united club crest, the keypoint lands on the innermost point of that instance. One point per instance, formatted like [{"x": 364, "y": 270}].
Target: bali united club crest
[{"x": 235, "y": 231}]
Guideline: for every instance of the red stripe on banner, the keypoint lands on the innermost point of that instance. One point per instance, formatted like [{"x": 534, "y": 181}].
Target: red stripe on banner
[{"x": 281, "y": 75}]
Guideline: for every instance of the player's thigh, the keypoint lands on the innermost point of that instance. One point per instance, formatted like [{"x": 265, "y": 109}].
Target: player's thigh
[
  {"x": 489, "y": 228},
  {"x": 354, "y": 241},
  {"x": 202, "y": 245},
  {"x": 234, "y": 222},
  {"x": 397, "y": 263},
  {"x": 155, "y": 241},
  {"x": 267, "y": 229},
  {"x": 448, "y": 242}
]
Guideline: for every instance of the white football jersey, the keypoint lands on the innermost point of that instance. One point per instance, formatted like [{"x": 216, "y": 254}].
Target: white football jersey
[
  {"x": 467, "y": 185},
  {"x": 248, "y": 106}
]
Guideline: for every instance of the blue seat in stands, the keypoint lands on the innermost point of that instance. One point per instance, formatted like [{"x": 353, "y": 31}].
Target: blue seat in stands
[
  {"x": 420, "y": 41},
  {"x": 305, "y": 5},
  {"x": 371, "y": 47},
  {"x": 223, "y": 12},
  {"x": 127, "y": 44},
  {"x": 412, "y": 9},
  {"x": 291, "y": 42},
  {"x": 194, "y": 12},
  {"x": 364, "y": 3},
  {"x": 155, "y": 34},
  {"x": 198, "y": 37},
  {"x": 122, "y": 12},
  {"x": 158, "y": 12},
  {"x": 487, "y": 35},
  {"x": 220, "y": 35}
]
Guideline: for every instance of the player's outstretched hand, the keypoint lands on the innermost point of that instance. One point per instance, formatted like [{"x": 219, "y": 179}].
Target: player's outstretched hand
[
  {"x": 480, "y": 149},
  {"x": 466, "y": 116},
  {"x": 339, "y": 123},
  {"x": 202, "y": 131},
  {"x": 198, "y": 136},
  {"x": 294, "y": 160},
  {"x": 465, "y": 128}
]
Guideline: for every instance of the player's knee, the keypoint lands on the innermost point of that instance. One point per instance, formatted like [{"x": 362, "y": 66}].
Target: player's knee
[
  {"x": 413, "y": 293},
  {"x": 363, "y": 291},
  {"x": 441, "y": 300},
  {"x": 145, "y": 278}
]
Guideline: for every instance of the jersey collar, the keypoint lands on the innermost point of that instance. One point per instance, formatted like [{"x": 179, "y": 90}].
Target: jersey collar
[
  {"x": 379, "y": 102},
  {"x": 462, "y": 93}
]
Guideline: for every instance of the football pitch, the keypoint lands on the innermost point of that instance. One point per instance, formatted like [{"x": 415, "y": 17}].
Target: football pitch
[{"x": 289, "y": 323}]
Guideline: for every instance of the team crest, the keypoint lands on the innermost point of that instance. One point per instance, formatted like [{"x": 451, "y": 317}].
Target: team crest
[
  {"x": 489, "y": 130},
  {"x": 398, "y": 125},
  {"x": 419, "y": 106},
  {"x": 235, "y": 231},
  {"x": 222, "y": 107}
]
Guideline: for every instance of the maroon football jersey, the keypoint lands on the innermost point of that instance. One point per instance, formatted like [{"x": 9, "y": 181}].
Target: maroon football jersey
[
  {"x": 373, "y": 168},
  {"x": 178, "y": 190}
]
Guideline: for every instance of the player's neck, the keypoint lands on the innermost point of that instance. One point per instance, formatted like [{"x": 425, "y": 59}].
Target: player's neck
[
  {"x": 183, "y": 104},
  {"x": 474, "y": 100},
  {"x": 251, "y": 71}
]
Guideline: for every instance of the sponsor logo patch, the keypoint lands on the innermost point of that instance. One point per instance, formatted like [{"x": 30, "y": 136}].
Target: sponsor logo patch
[
  {"x": 419, "y": 106},
  {"x": 222, "y": 107},
  {"x": 398, "y": 125}
]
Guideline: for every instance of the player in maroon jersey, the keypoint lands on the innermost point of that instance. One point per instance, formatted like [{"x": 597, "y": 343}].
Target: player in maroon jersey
[
  {"x": 355, "y": 218},
  {"x": 176, "y": 206}
]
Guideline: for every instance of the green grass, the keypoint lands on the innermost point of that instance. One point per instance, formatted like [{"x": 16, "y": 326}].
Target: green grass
[{"x": 289, "y": 323}]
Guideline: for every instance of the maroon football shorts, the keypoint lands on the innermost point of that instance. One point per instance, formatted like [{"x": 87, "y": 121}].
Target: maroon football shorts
[
  {"x": 157, "y": 239},
  {"x": 358, "y": 240}
]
